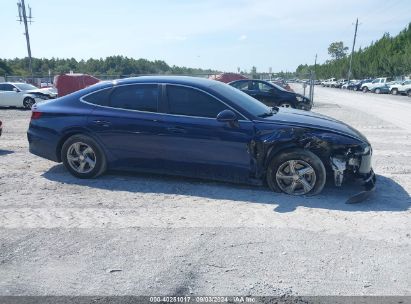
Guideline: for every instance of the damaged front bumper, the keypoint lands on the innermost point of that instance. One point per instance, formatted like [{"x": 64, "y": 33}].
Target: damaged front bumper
[{"x": 357, "y": 165}]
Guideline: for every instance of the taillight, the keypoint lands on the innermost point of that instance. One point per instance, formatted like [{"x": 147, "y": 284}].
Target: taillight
[{"x": 35, "y": 115}]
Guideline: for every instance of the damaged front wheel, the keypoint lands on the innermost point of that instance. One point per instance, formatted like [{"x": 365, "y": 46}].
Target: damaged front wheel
[{"x": 296, "y": 172}]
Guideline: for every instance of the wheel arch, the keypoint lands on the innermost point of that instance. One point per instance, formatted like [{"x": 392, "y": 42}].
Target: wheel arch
[{"x": 76, "y": 131}]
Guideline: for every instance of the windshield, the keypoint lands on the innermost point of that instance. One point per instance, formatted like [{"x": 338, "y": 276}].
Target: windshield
[
  {"x": 25, "y": 86},
  {"x": 248, "y": 103},
  {"x": 278, "y": 86}
]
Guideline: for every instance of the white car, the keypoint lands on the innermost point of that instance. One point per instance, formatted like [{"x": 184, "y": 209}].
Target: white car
[
  {"x": 400, "y": 88},
  {"x": 332, "y": 82},
  {"x": 377, "y": 82},
  {"x": 22, "y": 95}
]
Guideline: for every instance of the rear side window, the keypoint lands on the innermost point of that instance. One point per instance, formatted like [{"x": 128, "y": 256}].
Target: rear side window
[
  {"x": 191, "y": 102},
  {"x": 6, "y": 87},
  {"x": 140, "y": 97},
  {"x": 98, "y": 98}
]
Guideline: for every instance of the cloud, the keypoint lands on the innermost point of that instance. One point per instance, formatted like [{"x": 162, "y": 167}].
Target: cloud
[{"x": 242, "y": 37}]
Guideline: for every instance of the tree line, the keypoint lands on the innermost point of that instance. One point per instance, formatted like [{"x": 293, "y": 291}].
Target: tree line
[
  {"x": 388, "y": 56},
  {"x": 112, "y": 65}
]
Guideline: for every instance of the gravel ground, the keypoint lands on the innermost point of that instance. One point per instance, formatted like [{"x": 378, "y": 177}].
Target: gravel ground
[{"x": 138, "y": 234}]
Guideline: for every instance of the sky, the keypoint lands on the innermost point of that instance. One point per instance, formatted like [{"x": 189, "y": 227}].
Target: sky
[{"x": 219, "y": 34}]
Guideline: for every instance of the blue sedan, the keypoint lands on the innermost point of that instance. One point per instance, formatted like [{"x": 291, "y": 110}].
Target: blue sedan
[{"x": 196, "y": 127}]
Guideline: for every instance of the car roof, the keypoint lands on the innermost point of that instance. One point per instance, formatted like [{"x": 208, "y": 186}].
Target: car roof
[
  {"x": 184, "y": 80},
  {"x": 13, "y": 83}
]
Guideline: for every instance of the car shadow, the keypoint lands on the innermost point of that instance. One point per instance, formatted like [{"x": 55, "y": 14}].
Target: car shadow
[
  {"x": 14, "y": 108},
  {"x": 388, "y": 196},
  {"x": 5, "y": 152}
]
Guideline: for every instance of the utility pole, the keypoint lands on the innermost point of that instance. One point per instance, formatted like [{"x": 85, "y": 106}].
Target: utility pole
[
  {"x": 352, "y": 50},
  {"x": 23, "y": 17},
  {"x": 313, "y": 77}
]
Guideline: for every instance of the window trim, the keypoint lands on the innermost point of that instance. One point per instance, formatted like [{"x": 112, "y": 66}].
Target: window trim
[
  {"x": 122, "y": 85},
  {"x": 162, "y": 96}
]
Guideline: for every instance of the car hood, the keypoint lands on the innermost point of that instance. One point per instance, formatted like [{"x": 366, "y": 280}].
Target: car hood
[
  {"x": 46, "y": 91},
  {"x": 312, "y": 120}
]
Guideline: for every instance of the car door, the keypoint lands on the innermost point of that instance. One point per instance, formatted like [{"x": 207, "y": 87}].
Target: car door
[
  {"x": 126, "y": 121},
  {"x": 196, "y": 144},
  {"x": 10, "y": 96},
  {"x": 269, "y": 94}
]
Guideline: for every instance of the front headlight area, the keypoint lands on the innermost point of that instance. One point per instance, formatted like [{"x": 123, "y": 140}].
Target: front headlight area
[
  {"x": 40, "y": 96},
  {"x": 355, "y": 160}
]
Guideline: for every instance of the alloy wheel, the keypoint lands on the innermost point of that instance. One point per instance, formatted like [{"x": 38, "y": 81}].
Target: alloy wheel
[
  {"x": 285, "y": 105},
  {"x": 296, "y": 177},
  {"x": 81, "y": 157}
]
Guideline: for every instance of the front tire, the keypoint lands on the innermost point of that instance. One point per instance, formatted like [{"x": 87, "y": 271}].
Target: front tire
[
  {"x": 28, "y": 102},
  {"x": 394, "y": 91},
  {"x": 83, "y": 157},
  {"x": 365, "y": 89},
  {"x": 377, "y": 91},
  {"x": 296, "y": 172}
]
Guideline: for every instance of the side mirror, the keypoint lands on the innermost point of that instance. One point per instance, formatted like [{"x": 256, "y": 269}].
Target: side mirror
[
  {"x": 227, "y": 116},
  {"x": 16, "y": 90}
]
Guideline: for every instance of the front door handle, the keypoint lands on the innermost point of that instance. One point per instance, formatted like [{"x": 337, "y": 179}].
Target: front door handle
[
  {"x": 103, "y": 123},
  {"x": 176, "y": 130}
]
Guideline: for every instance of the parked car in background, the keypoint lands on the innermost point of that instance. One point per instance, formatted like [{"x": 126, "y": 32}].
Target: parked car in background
[
  {"x": 196, "y": 127},
  {"x": 348, "y": 83},
  {"x": 272, "y": 95},
  {"x": 400, "y": 88},
  {"x": 356, "y": 86},
  {"x": 382, "y": 89},
  {"x": 15, "y": 94},
  {"x": 377, "y": 82},
  {"x": 340, "y": 83},
  {"x": 227, "y": 77},
  {"x": 330, "y": 83}
]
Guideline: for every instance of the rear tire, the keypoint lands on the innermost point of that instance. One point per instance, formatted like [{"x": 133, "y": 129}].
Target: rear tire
[
  {"x": 409, "y": 93},
  {"x": 365, "y": 89},
  {"x": 307, "y": 178},
  {"x": 377, "y": 91},
  {"x": 83, "y": 157},
  {"x": 394, "y": 91}
]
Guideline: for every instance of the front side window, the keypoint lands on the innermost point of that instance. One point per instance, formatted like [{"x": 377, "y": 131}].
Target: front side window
[
  {"x": 140, "y": 97},
  {"x": 191, "y": 102}
]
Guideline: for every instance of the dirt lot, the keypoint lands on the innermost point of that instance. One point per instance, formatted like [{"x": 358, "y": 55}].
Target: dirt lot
[{"x": 154, "y": 235}]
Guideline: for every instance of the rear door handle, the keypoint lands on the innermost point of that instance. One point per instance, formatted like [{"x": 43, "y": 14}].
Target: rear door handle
[
  {"x": 176, "y": 130},
  {"x": 103, "y": 123}
]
